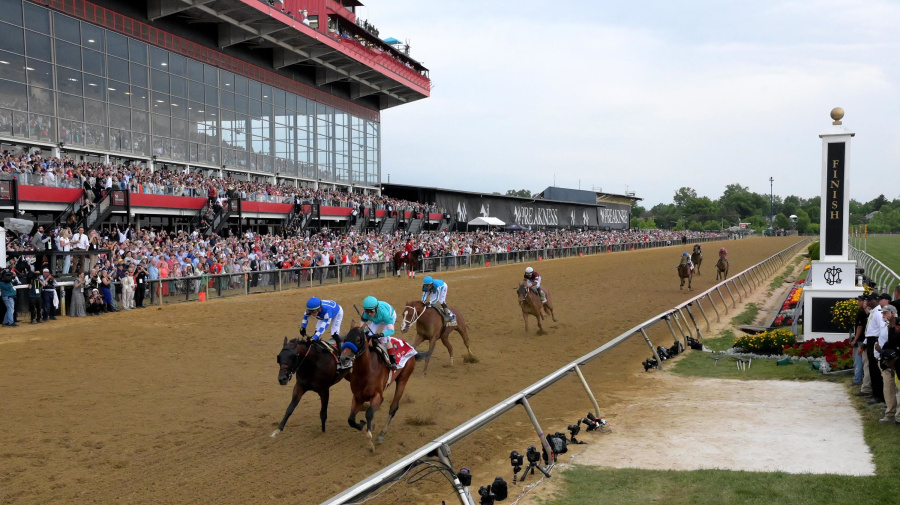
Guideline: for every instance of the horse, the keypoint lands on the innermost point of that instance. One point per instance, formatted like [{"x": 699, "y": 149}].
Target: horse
[
  {"x": 369, "y": 377},
  {"x": 722, "y": 268},
  {"x": 430, "y": 325},
  {"x": 530, "y": 303},
  {"x": 697, "y": 258},
  {"x": 411, "y": 261},
  {"x": 685, "y": 272},
  {"x": 316, "y": 371}
]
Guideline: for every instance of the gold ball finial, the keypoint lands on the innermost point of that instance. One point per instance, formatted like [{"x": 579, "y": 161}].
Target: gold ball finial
[{"x": 837, "y": 114}]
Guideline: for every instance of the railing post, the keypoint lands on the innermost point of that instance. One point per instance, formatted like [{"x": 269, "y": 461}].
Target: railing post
[
  {"x": 587, "y": 389},
  {"x": 672, "y": 328},
  {"x": 681, "y": 328},
  {"x": 740, "y": 297},
  {"x": 537, "y": 426},
  {"x": 655, "y": 354},
  {"x": 724, "y": 303},
  {"x": 744, "y": 287},
  {"x": 696, "y": 326},
  {"x": 702, "y": 311}
]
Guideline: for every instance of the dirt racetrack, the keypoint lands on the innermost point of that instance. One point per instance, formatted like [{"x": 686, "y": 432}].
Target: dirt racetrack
[{"x": 175, "y": 404}]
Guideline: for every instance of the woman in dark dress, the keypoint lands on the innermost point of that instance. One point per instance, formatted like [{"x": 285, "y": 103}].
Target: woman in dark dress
[{"x": 78, "y": 308}]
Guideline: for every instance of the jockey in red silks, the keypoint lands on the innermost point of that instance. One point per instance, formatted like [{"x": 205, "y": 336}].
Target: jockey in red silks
[
  {"x": 408, "y": 248},
  {"x": 723, "y": 253},
  {"x": 533, "y": 281}
]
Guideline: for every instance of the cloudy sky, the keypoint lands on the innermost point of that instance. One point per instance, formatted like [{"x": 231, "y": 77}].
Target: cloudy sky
[{"x": 643, "y": 96}]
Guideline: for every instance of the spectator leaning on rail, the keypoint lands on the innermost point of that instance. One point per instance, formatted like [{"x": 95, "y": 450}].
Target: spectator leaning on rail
[{"x": 326, "y": 312}]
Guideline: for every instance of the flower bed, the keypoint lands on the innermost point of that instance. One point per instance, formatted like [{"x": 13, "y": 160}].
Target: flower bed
[
  {"x": 768, "y": 342},
  {"x": 785, "y": 316},
  {"x": 843, "y": 314},
  {"x": 838, "y": 355}
]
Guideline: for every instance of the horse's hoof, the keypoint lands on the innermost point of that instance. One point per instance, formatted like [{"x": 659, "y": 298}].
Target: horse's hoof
[
  {"x": 380, "y": 439},
  {"x": 275, "y": 433}
]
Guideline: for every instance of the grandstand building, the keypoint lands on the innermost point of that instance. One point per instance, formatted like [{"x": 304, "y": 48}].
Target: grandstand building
[{"x": 271, "y": 91}]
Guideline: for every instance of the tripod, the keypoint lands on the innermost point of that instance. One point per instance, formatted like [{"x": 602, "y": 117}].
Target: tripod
[{"x": 531, "y": 466}]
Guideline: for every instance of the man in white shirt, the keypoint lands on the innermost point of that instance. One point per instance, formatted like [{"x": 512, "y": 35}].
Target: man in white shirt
[{"x": 874, "y": 328}]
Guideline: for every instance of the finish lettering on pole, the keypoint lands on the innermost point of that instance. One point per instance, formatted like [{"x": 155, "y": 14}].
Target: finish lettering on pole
[{"x": 834, "y": 202}]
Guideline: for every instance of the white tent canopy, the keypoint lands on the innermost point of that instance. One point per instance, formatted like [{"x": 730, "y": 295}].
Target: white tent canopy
[{"x": 486, "y": 221}]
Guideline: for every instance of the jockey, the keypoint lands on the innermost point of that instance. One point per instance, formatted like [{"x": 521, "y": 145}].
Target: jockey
[
  {"x": 380, "y": 317},
  {"x": 435, "y": 290},
  {"x": 533, "y": 281},
  {"x": 326, "y": 312},
  {"x": 686, "y": 258},
  {"x": 723, "y": 253},
  {"x": 408, "y": 248}
]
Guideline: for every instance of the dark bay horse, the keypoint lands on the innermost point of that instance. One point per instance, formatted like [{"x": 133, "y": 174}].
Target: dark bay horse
[
  {"x": 430, "y": 327},
  {"x": 697, "y": 258},
  {"x": 722, "y": 268},
  {"x": 530, "y": 303},
  {"x": 410, "y": 262},
  {"x": 685, "y": 273},
  {"x": 369, "y": 379},
  {"x": 316, "y": 371}
]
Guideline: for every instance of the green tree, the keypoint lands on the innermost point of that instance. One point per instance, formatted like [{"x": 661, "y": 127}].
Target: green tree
[
  {"x": 803, "y": 221},
  {"x": 637, "y": 211},
  {"x": 782, "y": 222},
  {"x": 524, "y": 193}
]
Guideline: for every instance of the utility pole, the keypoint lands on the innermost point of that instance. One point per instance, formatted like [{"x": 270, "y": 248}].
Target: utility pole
[{"x": 772, "y": 205}]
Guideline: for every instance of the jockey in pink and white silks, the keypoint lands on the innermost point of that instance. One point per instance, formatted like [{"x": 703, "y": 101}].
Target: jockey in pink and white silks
[{"x": 533, "y": 282}]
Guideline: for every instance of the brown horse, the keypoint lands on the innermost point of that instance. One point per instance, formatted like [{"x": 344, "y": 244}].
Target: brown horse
[
  {"x": 410, "y": 262},
  {"x": 368, "y": 380},
  {"x": 722, "y": 268},
  {"x": 685, "y": 273},
  {"x": 430, "y": 326},
  {"x": 316, "y": 370},
  {"x": 697, "y": 258},
  {"x": 530, "y": 303}
]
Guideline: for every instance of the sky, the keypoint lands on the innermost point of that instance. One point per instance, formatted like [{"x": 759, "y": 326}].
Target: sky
[{"x": 643, "y": 96}]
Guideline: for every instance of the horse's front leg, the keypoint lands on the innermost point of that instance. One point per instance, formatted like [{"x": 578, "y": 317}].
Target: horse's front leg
[
  {"x": 374, "y": 403},
  {"x": 355, "y": 405},
  {"x": 525, "y": 317},
  {"x": 295, "y": 399}
]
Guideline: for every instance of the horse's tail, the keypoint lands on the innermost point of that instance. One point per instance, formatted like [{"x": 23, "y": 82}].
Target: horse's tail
[{"x": 426, "y": 355}]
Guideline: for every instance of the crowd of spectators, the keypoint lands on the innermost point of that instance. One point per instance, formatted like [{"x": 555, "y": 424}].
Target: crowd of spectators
[{"x": 95, "y": 178}]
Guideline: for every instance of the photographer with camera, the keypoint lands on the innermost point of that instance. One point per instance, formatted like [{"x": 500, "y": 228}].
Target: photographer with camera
[
  {"x": 140, "y": 284},
  {"x": 48, "y": 295}
]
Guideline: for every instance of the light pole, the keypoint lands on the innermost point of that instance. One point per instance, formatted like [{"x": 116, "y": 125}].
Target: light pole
[{"x": 772, "y": 205}]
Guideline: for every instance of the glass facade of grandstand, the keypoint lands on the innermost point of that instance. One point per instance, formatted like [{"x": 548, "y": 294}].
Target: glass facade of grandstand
[{"x": 64, "y": 80}]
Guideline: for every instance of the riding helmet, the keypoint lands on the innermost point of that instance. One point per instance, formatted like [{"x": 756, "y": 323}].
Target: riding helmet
[
  {"x": 313, "y": 303},
  {"x": 685, "y": 254},
  {"x": 528, "y": 270},
  {"x": 370, "y": 303},
  {"x": 427, "y": 280}
]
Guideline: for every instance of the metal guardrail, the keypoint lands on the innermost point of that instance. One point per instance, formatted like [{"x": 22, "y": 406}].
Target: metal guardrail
[
  {"x": 885, "y": 278},
  {"x": 744, "y": 282}
]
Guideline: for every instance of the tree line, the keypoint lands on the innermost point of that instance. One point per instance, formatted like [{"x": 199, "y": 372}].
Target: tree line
[{"x": 738, "y": 204}]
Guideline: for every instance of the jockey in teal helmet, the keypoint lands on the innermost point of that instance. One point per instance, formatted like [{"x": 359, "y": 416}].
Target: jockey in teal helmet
[
  {"x": 435, "y": 290},
  {"x": 379, "y": 318},
  {"x": 326, "y": 312}
]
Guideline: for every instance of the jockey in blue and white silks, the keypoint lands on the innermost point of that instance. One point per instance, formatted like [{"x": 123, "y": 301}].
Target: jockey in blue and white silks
[
  {"x": 380, "y": 317},
  {"x": 686, "y": 258},
  {"x": 327, "y": 312},
  {"x": 435, "y": 291}
]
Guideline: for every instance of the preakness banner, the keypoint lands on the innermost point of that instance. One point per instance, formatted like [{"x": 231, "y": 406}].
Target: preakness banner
[{"x": 534, "y": 213}]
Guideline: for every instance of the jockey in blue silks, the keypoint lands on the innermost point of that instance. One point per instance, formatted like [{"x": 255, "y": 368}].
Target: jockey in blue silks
[
  {"x": 379, "y": 318},
  {"x": 686, "y": 258},
  {"x": 435, "y": 291},
  {"x": 327, "y": 312}
]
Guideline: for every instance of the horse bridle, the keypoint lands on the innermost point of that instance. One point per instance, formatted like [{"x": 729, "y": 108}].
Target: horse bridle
[
  {"x": 416, "y": 316},
  {"x": 292, "y": 370}
]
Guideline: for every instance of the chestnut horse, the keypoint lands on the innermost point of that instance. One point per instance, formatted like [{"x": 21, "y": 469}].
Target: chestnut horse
[
  {"x": 410, "y": 262},
  {"x": 685, "y": 273},
  {"x": 697, "y": 258},
  {"x": 722, "y": 267},
  {"x": 430, "y": 326},
  {"x": 530, "y": 303},
  {"x": 369, "y": 378},
  {"x": 316, "y": 370}
]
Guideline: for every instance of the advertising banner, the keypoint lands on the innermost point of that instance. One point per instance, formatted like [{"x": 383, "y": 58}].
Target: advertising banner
[{"x": 534, "y": 213}]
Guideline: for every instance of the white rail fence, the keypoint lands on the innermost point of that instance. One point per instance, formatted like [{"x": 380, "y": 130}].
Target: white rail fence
[
  {"x": 885, "y": 279},
  {"x": 736, "y": 288}
]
